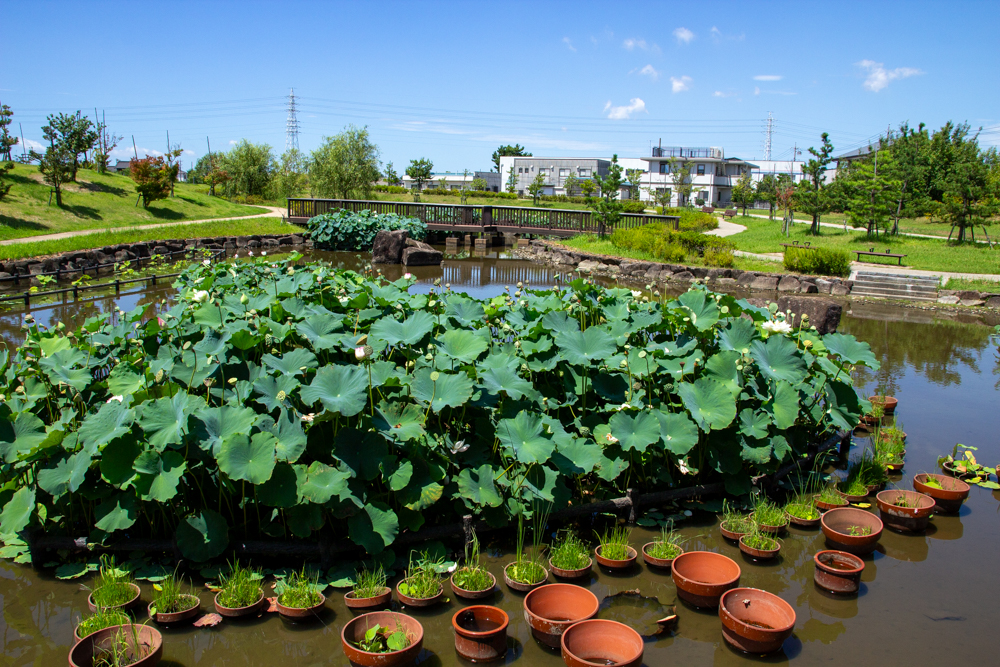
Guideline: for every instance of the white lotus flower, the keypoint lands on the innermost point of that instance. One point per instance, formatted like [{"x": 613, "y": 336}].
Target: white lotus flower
[
  {"x": 308, "y": 418},
  {"x": 250, "y": 253},
  {"x": 610, "y": 438},
  {"x": 344, "y": 300},
  {"x": 359, "y": 353},
  {"x": 777, "y": 327},
  {"x": 263, "y": 253},
  {"x": 636, "y": 293},
  {"x": 207, "y": 262},
  {"x": 116, "y": 397},
  {"x": 408, "y": 276},
  {"x": 200, "y": 296}
]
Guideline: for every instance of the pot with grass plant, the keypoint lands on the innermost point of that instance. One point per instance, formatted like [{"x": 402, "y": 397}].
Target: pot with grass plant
[
  {"x": 802, "y": 514},
  {"x": 614, "y": 551},
  {"x": 887, "y": 403},
  {"x": 908, "y": 511},
  {"x": 300, "y": 596},
  {"x": 382, "y": 639},
  {"x": 702, "y": 577},
  {"x": 948, "y": 492},
  {"x": 114, "y": 588},
  {"x": 129, "y": 644},
  {"x": 600, "y": 642},
  {"x": 733, "y": 524},
  {"x": 369, "y": 591},
  {"x": 838, "y": 571},
  {"x": 422, "y": 585},
  {"x": 829, "y": 498},
  {"x": 473, "y": 581},
  {"x": 767, "y": 516},
  {"x": 480, "y": 633},
  {"x": 755, "y": 621},
  {"x": 760, "y": 544},
  {"x": 662, "y": 552},
  {"x": 552, "y": 608},
  {"x": 852, "y": 530},
  {"x": 100, "y": 619},
  {"x": 240, "y": 593},
  {"x": 171, "y": 604},
  {"x": 526, "y": 572},
  {"x": 569, "y": 558}
]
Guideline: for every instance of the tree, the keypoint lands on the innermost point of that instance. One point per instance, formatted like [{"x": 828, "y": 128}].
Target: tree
[
  {"x": 6, "y": 140},
  {"x": 868, "y": 191},
  {"x": 391, "y": 177},
  {"x": 478, "y": 184},
  {"x": 744, "y": 192},
  {"x": 910, "y": 165},
  {"x": 536, "y": 186},
  {"x": 634, "y": 178},
  {"x": 290, "y": 179},
  {"x": 73, "y": 135},
  {"x": 517, "y": 150},
  {"x": 153, "y": 178},
  {"x": 570, "y": 184},
  {"x": 512, "y": 181},
  {"x": 588, "y": 186},
  {"x": 345, "y": 166},
  {"x": 784, "y": 197},
  {"x": 607, "y": 208},
  {"x": 964, "y": 179},
  {"x": 173, "y": 164},
  {"x": 661, "y": 196},
  {"x": 420, "y": 171},
  {"x": 106, "y": 142},
  {"x": 810, "y": 197},
  {"x": 215, "y": 178},
  {"x": 463, "y": 189},
  {"x": 56, "y": 167},
  {"x": 680, "y": 176},
  {"x": 767, "y": 190},
  {"x": 250, "y": 167}
]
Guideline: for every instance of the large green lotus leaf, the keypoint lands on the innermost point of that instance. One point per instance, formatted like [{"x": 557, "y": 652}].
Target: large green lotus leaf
[
  {"x": 17, "y": 512},
  {"x": 709, "y": 402},
  {"x": 449, "y": 390},
  {"x": 221, "y": 423},
  {"x": 60, "y": 369},
  {"x": 778, "y": 359},
  {"x": 248, "y": 458},
  {"x": 722, "y": 367},
  {"x": 583, "y": 347},
  {"x": 577, "y": 456},
  {"x": 427, "y": 493},
  {"x": 462, "y": 345},
  {"x": 506, "y": 379},
  {"x": 361, "y": 451},
  {"x": 165, "y": 420},
  {"x": 287, "y": 430},
  {"x": 523, "y": 439},
  {"x": 117, "y": 461},
  {"x": 784, "y": 405},
  {"x": 113, "y": 420},
  {"x": 118, "y": 512},
  {"x": 208, "y": 316},
  {"x": 202, "y": 536},
  {"x": 384, "y": 371},
  {"x": 65, "y": 475},
  {"x": 850, "y": 350},
  {"x": 408, "y": 332},
  {"x": 341, "y": 389},
  {"x": 678, "y": 433},
  {"x": 400, "y": 477},
  {"x": 755, "y": 451},
  {"x": 53, "y": 343},
  {"x": 635, "y": 433},
  {"x": 123, "y": 381},
  {"x": 843, "y": 405},
  {"x": 159, "y": 474},
  {"x": 754, "y": 424},
  {"x": 322, "y": 482},
  {"x": 241, "y": 336},
  {"x": 609, "y": 386},
  {"x": 296, "y": 362},
  {"x": 374, "y": 528},
  {"x": 477, "y": 485},
  {"x": 465, "y": 312},
  {"x": 781, "y": 447},
  {"x": 269, "y": 390},
  {"x": 737, "y": 335},
  {"x": 540, "y": 483},
  {"x": 304, "y": 519},
  {"x": 281, "y": 490},
  {"x": 19, "y": 438},
  {"x": 192, "y": 369},
  {"x": 317, "y": 330},
  {"x": 399, "y": 422},
  {"x": 213, "y": 344},
  {"x": 702, "y": 309},
  {"x": 557, "y": 320}
]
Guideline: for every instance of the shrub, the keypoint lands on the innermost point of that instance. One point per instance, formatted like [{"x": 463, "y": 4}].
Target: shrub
[
  {"x": 719, "y": 257},
  {"x": 345, "y": 230},
  {"x": 659, "y": 240},
  {"x": 394, "y": 189},
  {"x": 821, "y": 261},
  {"x": 692, "y": 220},
  {"x": 633, "y": 207}
]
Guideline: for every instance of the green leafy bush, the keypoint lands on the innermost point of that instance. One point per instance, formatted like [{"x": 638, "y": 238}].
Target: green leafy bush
[
  {"x": 722, "y": 257},
  {"x": 393, "y": 189},
  {"x": 693, "y": 220},
  {"x": 344, "y": 230},
  {"x": 659, "y": 240},
  {"x": 445, "y": 192},
  {"x": 819, "y": 261},
  {"x": 631, "y": 206}
]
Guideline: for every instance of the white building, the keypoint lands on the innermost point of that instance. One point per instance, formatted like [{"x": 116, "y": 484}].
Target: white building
[{"x": 449, "y": 180}]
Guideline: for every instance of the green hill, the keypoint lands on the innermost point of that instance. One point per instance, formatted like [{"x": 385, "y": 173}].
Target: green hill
[{"x": 99, "y": 201}]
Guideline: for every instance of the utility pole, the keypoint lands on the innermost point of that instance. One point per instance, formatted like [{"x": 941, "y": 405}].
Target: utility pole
[
  {"x": 22, "y": 140},
  {"x": 767, "y": 137},
  {"x": 292, "y": 124},
  {"x": 134, "y": 149}
]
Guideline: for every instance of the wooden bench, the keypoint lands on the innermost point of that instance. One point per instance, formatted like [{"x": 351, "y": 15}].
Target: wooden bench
[
  {"x": 729, "y": 214},
  {"x": 708, "y": 209},
  {"x": 871, "y": 252},
  {"x": 795, "y": 244}
]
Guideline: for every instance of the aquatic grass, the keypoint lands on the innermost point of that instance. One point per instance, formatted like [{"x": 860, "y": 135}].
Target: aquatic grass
[
  {"x": 734, "y": 520},
  {"x": 832, "y": 495},
  {"x": 527, "y": 567},
  {"x": 383, "y": 639},
  {"x": 570, "y": 553},
  {"x": 859, "y": 531},
  {"x": 902, "y": 500},
  {"x": 169, "y": 597},
  {"x": 124, "y": 648},
  {"x": 802, "y": 511},
  {"x": 102, "y": 618},
  {"x": 422, "y": 580},
  {"x": 240, "y": 586},
  {"x": 759, "y": 539},
  {"x": 300, "y": 590},
  {"x": 113, "y": 586},
  {"x": 933, "y": 483},
  {"x": 472, "y": 576},
  {"x": 767, "y": 513},
  {"x": 668, "y": 545},
  {"x": 369, "y": 583},
  {"x": 614, "y": 543}
]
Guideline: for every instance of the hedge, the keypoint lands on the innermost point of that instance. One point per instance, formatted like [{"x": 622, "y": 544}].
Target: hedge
[{"x": 818, "y": 261}]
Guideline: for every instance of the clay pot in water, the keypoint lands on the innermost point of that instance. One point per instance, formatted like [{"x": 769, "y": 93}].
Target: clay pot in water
[
  {"x": 702, "y": 577},
  {"x": 657, "y": 562},
  {"x": 803, "y": 523},
  {"x": 888, "y": 403},
  {"x": 236, "y": 612},
  {"x": 875, "y": 488},
  {"x": 760, "y": 554},
  {"x": 755, "y": 621},
  {"x": 616, "y": 564},
  {"x": 950, "y": 469},
  {"x": 474, "y": 595},
  {"x": 772, "y": 530},
  {"x": 853, "y": 499},
  {"x": 949, "y": 498},
  {"x": 838, "y": 571},
  {"x": 730, "y": 534},
  {"x": 837, "y": 523},
  {"x": 380, "y": 601},
  {"x": 522, "y": 587},
  {"x": 149, "y": 639},
  {"x": 177, "y": 616},
  {"x": 913, "y": 518},
  {"x": 598, "y": 642},
  {"x": 354, "y": 630},
  {"x": 480, "y": 633},
  {"x": 572, "y": 574},
  {"x": 552, "y": 608},
  {"x": 300, "y": 613},
  {"x": 125, "y": 606},
  {"x": 419, "y": 602},
  {"x": 826, "y": 507}
]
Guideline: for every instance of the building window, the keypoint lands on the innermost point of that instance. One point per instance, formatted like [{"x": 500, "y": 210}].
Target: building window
[
  {"x": 519, "y": 170},
  {"x": 664, "y": 168},
  {"x": 720, "y": 170},
  {"x": 584, "y": 172},
  {"x": 701, "y": 170},
  {"x": 543, "y": 171},
  {"x": 564, "y": 173}
]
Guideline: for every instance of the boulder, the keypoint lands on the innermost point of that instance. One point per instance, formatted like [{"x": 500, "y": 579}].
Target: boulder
[
  {"x": 746, "y": 279},
  {"x": 587, "y": 266},
  {"x": 725, "y": 283},
  {"x": 789, "y": 284},
  {"x": 993, "y": 302},
  {"x": 388, "y": 246},
  {"x": 422, "y": 257},
  {"x": 823, "y": 286},
  {"x": 824, "y": 314},
  {"x": 769, "y": 283},
  {"x": 682, "y": 275},
  {"x": 948, "y": 299},
  {"x": 806, "y": 287},
  {"x": 839, "y": 289},
  {"x": 967, "y": 295},
  {"x": 971, "y": 302}
]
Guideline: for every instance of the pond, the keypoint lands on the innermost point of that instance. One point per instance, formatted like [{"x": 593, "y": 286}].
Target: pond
[{"x": 923, "y": 597}]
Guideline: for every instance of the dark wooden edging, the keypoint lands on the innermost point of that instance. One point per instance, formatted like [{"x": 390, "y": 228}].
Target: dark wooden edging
[{"x": 326, "y": 550}]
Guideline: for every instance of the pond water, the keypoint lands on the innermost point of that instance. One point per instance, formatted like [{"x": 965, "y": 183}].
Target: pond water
[{"x": 923, "y": 597}]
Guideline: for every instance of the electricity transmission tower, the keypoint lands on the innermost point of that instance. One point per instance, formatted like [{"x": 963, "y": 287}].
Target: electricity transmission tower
[
  {"x": 291, "y": 124},
  {"x": 767, "y": 136}
]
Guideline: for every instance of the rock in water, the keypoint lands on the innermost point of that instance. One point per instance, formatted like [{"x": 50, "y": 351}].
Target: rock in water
[
  {"x": 388, "y": 246},
  {"x": 426, "y": 256}
]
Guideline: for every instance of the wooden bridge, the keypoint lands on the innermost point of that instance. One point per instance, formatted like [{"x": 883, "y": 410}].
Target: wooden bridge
[{"x": 470, "y": 219}]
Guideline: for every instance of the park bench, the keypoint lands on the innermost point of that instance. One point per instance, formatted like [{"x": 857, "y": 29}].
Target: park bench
[
  {"x": 708, "y": 209},
  {"x": 731, "y": 213},
  {"x": 871, "y": 252},
  {"x": 795, "y": 244}
]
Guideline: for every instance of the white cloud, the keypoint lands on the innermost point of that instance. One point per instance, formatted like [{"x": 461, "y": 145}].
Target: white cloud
[
  {"x": 879, "y": 77},
  {"x": 756, "y": 90},
  {"x": 635, "y": 105},
  {"x": 718, "y": 37},
  {"x": 649, "y": 71},
  {"x": 188, "y": 151},
  {"x": 768, "y": 77},
  {"x": 233, "y": 142},
  {"x": 719, "y": 93},
  {"x": 632, "y": 43},
  {"x": 29, "y": 145},
  {"x": 569, "y": 43},
  {"x": 679, "y": 85},
  {"x": 683, "y": 35}
]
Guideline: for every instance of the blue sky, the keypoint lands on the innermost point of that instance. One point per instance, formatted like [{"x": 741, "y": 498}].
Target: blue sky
[{"x": 452, "y": 80}]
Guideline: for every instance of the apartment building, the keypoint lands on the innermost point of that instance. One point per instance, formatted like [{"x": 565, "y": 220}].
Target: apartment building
[{"x": 555, "y": 171}]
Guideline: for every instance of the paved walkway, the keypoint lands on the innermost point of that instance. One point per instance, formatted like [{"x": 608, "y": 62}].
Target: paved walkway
[
  {"x": 726, "y": 228},
  {"x": 272, "y": 212}
]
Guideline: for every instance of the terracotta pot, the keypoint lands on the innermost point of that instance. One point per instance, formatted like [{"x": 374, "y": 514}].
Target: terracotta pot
[
  {"x": 730, "y": 534},
  {"x": 826, "y": 507},
  {"x": 134, "y": 602},
  {"x": 773, "y": 530},
  {"x": 299, "y": 613},
  {"x": 354, "y": 630},
  {"x": 474, "y": 595},
  {"x": 419, "y": 602},
  {"x": 894, "y": 467},
  {"x": 614, "y": 564},
  {"x": 913, "y": 519},
  {"x": 380, "y": 601},
  {"x": 953, "y": 471},
  {"x": 875, "y": 488},
  {"x": 150, "y": 639},
  {"x": 657, "y": 562},
  {"x": 702, "y": 577},
  {"x": 761, "y": 554},
  {"x": 572, "y": 574},
  {"x": 755, "y": 621},
  {"x": 947, "y": 499},
  {"x": 517, "y": 585},
  {"x": 853, "y": 499},
  {"x": 552, "y": 608},
  {"x": 838, "y": 571},
  {"x": 802, "y": 523},
  {"x": 836, "y": 524},
  {"x": 888, "y": 403},
  {"x": 177, "y": 616},
  {"x": 236, "y": 612},
  {"x": 598, "y": 642},
  {"x": 480, "y": 633}
]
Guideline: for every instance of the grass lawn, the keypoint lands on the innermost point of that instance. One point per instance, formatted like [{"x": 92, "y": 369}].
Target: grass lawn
[
  {"x": 195, "y": 230},
  {"x": 763, "y": 236},
  {"x": 598, "y": 246},
  {"x": 98, "y": 201},
  {"x": 906, "y": 225},
  {"x": 978, "y": 285}
]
